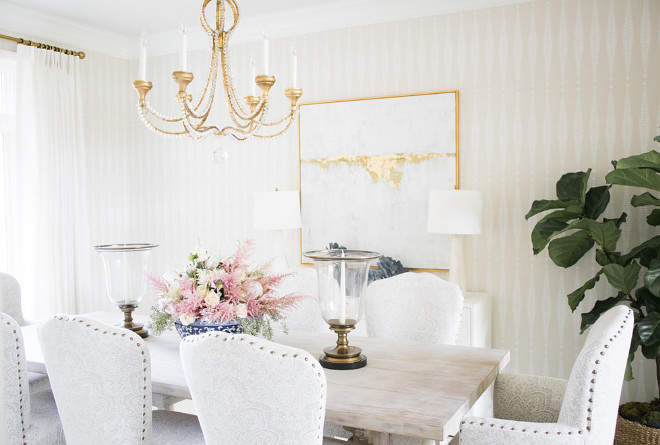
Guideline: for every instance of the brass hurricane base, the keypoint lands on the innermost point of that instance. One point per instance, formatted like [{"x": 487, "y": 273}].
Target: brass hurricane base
[
  {"x": 343, "y": 356},
  {"x": 138, "y": 328}
]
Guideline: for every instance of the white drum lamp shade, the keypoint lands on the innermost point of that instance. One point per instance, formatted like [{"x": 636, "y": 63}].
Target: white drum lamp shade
[
  {"x": 278, "y": 210},
  {"x": 456, "y": 212}
]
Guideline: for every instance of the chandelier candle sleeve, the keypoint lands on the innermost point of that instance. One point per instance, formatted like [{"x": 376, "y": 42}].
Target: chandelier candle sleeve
[
  {"x": 184, "y": 47},
  {"x": 266, "y": 68},
  {"x": 143, "y": 56},
  {"x": 295, "y": 68}
]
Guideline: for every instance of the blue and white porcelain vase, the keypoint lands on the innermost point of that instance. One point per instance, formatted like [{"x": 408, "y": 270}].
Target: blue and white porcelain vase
[{"x": 200, "y": 327}]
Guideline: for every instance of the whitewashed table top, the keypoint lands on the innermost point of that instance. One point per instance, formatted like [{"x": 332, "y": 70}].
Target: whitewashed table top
[{"x": 406, "y": 388}]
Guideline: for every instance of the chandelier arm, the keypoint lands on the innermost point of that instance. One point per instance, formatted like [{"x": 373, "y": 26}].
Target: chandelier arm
[
  {"x": 234, "y": 8},
  {"x": 219, "y": 15},
  {"x": 213, "y": 73},
  {"x": 153, "y": 113},
  {"x": 202, "y": 18},
  {"x": 272, "y": 124},
  {"x": 279, "y": 132},
  {"x": 151, "y": 126},
  {"x": 236, "y": 110}
]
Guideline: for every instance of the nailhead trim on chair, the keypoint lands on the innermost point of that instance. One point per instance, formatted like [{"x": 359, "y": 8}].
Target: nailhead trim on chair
[
  {"x": 20, "y": 382},
  {"x": 144, "y": 370},
  {"x": 591, "y": 390},
  {"x": 194, "y": 338}
]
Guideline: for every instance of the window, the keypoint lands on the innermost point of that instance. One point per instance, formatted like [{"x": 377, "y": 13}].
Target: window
[{"x": 7, "y": 139}]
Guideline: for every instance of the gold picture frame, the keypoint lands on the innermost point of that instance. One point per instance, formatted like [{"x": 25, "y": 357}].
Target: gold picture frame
[{"x": 366, "y": 166}]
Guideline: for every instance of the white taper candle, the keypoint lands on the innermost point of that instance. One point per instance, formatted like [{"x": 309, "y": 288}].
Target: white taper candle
[{"x": 143, "y": 56}]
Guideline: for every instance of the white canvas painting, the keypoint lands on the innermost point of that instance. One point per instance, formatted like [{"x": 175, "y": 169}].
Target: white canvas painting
[{"x": 366, "y": 169}]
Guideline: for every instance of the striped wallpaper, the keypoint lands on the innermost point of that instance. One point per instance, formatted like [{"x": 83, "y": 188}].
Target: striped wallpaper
[{"x": 544, "y": 87}]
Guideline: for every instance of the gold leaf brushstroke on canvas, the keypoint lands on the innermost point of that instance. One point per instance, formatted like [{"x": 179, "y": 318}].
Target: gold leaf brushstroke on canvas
[{"x": 385, "y": 166}]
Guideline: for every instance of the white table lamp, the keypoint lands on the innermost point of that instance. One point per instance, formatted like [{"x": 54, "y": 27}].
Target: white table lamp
[
  {"x": 277, "y": 211},
  {"x": 455, "y": 212}
]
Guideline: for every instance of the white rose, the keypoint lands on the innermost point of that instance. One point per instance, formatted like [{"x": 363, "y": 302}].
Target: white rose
[
  {"x": 204, "y": 277},
  {"x": 212, "y": 299},
  {"x": 241, "y": 311},
  {"x": 201, "y": 291},
  {"x": 174, "y": 291},
  {"x": 186, "y": 319}
]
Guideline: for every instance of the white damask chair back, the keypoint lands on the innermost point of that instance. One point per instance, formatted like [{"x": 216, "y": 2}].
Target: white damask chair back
[
  {"x": 589, "y": 399},
  {"x": 10, "y": 304},
  {"x": 306, "y": 316},
  {"x": 10, "y": 298},
  {"x": 101, "y": 379},
  {"x": 418, "y": 307},
  {"x": 27, "y": 419},
  {"x": 247, "y": 390}
]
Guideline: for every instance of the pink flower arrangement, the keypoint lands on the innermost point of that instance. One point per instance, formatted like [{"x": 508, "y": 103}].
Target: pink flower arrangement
[{"x": 214, "y": 290}]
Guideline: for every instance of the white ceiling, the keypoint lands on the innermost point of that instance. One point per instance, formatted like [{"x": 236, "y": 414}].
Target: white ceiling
[{"x": 112, "y": 27}]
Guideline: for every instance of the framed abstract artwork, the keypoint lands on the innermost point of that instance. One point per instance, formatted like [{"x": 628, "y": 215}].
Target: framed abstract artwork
[{"x": 366, "y": 169}]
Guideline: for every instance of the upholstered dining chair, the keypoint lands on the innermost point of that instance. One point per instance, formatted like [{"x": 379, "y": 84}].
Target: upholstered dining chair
[
  {"x": 10, "y": 304},
  {"x": 27, "y": 418},
  {"x": 306, "y": 315},
  {"x": 276, "y": 394},
  {"x": 101, "y": 380},
  {"x": 582, "y": 410},
  {"x": 417, "y": 307}
]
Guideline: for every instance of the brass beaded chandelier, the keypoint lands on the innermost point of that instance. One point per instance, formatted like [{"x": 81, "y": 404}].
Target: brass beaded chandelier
[{"x": 247, "y": 120}]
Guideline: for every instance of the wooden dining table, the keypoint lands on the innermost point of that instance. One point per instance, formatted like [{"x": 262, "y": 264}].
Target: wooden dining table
[{"x": 410, "y": 389}]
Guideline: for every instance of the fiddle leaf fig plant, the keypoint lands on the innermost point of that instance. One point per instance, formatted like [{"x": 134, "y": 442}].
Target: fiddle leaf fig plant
[{"x": 574, "y": 226}]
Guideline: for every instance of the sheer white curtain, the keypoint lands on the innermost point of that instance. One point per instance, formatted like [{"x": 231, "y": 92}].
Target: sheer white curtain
[{"x": 47, "y": 221}]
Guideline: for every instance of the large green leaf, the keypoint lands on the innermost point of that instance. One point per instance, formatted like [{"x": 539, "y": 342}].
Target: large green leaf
[
  {"x": 603, "y": 258},
  {"x": 648, "y": 328},
  {"x": 544, "y": 204},
  {"x": 543, "y": 231},
  {"x": 635, "y": 177},
  {"x": 634, "y": 343},
  {"x": 645, "y": 199},
  {"x": 575, "y": 297},
  {"x": 647, "y": 299},
  {"x": 606, "y": 234},
  {"x": 573, "y": 186},
  {"x": 650, "y": 159},
  {"x": 596, "y": 201},
  {"x": 652, "y": 278},
  {"x": 617, "y": 221},
  {"x": 652, "y": 245},
  {"x": 654, "y": 218},
  {"x": 552, "y": 224},
  {"x": 566, "y": 251},
  {"x": 623, "y": 278},
  {"x": 601, "y": 306}
]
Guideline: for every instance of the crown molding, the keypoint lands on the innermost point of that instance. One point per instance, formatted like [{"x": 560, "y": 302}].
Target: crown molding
[{"x": 34, "y": 24}]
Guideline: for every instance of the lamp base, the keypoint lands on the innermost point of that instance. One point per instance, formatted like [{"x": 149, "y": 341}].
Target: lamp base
[
  {"x": 332, "y": 363},
  {"x": 343, "y": 355},
  {"x": 128, "y": 323}
]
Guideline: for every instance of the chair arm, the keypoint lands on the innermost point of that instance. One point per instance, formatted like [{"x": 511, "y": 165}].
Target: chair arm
[
  {"x": 480, "y": 430},
  {"x": 528, "y": 398}
]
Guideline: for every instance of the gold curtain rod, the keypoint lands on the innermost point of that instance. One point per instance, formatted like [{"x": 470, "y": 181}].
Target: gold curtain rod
[{"x": 43, "y": 46}]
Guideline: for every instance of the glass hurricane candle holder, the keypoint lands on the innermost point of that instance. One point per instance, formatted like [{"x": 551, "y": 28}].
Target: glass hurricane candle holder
[
  {"x": 125, "y": 273},
  {"x": 342, "y": 278}
]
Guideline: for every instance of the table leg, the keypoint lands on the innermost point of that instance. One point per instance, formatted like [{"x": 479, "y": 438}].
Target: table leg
[{"x": 379, "y": 438}]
